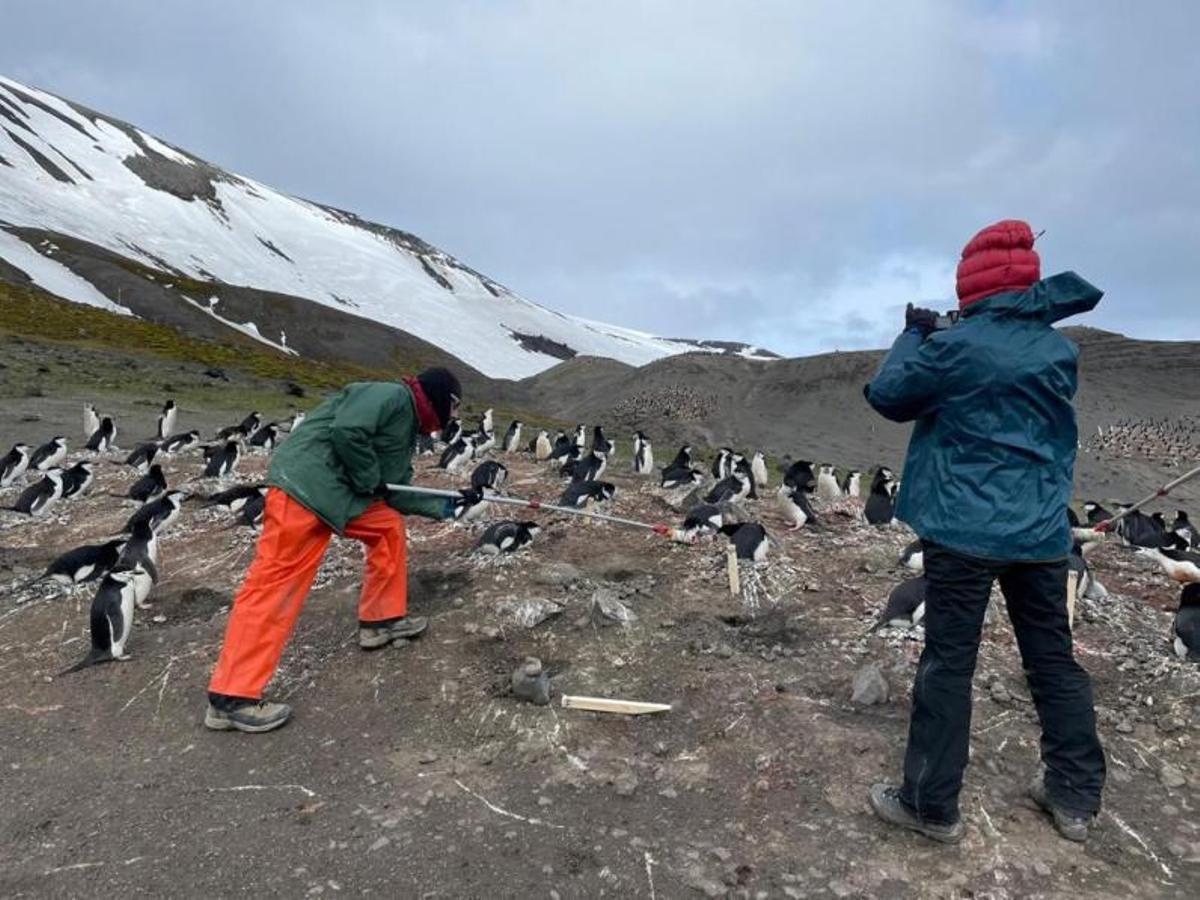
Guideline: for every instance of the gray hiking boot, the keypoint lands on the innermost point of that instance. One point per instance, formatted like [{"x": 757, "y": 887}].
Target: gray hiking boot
[
  {"x": 253, "y": 717},
  {"x": 885, "y": 801},
  {"x": 1071, "y": 824},
  {"x": 372, "y": 637}
]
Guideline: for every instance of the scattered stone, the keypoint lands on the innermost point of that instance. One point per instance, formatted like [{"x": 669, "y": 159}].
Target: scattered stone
[
  {"x": 531, "y": 683},
  {"x": 428, "y": 757},
  {"x": 1041, "y": 869},
  {"x": 724, "y": 651},
  {"x": 1000, "y": 693},
  {"x": 1171, "y": 777},
  {"x": 608, "y": 610},
  {"x": 870, "y": 687},
  {"x": 1125, "y": 726},
  {"x": 625, "y": 784},
  {"x": 379, "y": 844},
  {"x": 556, "y": 575},
  {"x": 532, "y": 612},
  {"x": 697, "y": 879}
]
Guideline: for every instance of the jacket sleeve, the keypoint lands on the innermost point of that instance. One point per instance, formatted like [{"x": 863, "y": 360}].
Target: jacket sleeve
[
  {"x": 909, "y": 381},
  {"x": 354, "y": 424},
  {"x": 414, "y": 505}
]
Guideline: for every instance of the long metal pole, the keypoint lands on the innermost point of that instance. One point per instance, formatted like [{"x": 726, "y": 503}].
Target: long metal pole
[
  {"x": 662, "y": 529},
  {"x": 1108, "y": 524}
]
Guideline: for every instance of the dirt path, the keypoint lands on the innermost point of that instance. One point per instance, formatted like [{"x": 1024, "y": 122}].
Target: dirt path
[{"x": 413, "y": 772}]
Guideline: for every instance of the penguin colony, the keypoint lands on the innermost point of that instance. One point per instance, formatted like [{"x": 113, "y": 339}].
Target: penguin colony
[
  {"x": 125, "y": 566},
  {"x": 1165, "y": 441}
]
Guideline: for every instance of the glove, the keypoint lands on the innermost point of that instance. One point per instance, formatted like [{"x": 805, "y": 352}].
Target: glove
[{"x": 920, "y": 321}]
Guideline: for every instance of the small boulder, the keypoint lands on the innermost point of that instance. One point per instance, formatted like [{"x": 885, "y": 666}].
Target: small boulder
[
  {"x": 531, "y": 683},
  {"x": 870, "y": 688}
]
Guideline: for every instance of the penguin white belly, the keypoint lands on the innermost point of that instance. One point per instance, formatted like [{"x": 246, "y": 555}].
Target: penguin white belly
[
  {"x": 1181, "y": 649},
  {"x": 120, "y": 635},
  {"x": 827, "y": 488},
  {"x": 759, "y": 469},
  {"x": 760, "y": 552}
]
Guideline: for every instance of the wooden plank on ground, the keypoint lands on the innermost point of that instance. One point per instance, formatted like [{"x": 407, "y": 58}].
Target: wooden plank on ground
[{"x": 609, "y": 705}]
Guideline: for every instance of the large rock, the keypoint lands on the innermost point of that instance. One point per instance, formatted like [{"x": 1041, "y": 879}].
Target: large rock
[
  {"x": 870, "y": 687},
  {"x": 607, "y": 608},
  {"x": 531, "y": 683}
]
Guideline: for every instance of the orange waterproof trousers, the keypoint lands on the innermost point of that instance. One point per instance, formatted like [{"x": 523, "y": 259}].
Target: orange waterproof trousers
[{"x": 289, "y": 553}]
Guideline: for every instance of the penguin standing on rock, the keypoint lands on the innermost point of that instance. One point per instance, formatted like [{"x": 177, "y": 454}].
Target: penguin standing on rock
[
  {"x": 104, "y": 438},
  {"x": 850, "y": 484},
  {"x": 223, "y": 461},
  {"x": 490, "y": 475},
  {"x": 1183, "y": 527},
  {"x": 85, "y": 563},
  {"x": 1187, "y": 624},
  {"x": 141, "y": 547},
  {"x": 266, "y": 437},
  {"x": 151, "y": 485},
  {"x": 236, "y": 497},
  {"x": 507, "y": 537},
  {"x": 512, "y": 437},
  {"x": 112, "y": 616},
  {"x": 742, "y": 466},
  {"x": 722, "y": 464},
  {"x": 912, "y": 557},
  {"x": 643, "y": 455},
  {"x": 49, "y": 455},
  {"x": 601, "y": 444},
  {"x": 828, "y": 489},
  {"x": 905, "y": 606},
  {"x": 91, "y": 420},
  {"x": 158, "y": 514},
  {"x": 880, "y": 507},
  {"x": 796, "y": 506},
  {"x": 758, "y": 468},
  {"x": 586, "y": 468},
  {"x": 542, "y": 448},
  {"x": 579, "y": 493},
  {"x": 679, "y": 472},
  {"x": 749, "y": 540},
  {"x": 39, "y": 498},
  {"x": 166, "y": 420},
  {"x": 468, "y": 506},
  {"x": 77, "y": 479},
  {"x": 179, "y": 442},
  {"x": 732, "y": 489},
  {"x": 14, "y": 464},
  {"x": 456, "y": 455},
  {"x": 142, "y": 456},
  {"x": 800, "y": 475},
  {"x": 704, "y": 520}
]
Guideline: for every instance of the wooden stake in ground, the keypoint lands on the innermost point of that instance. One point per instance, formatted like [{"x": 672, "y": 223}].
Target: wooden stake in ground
[
  {"x": 731, "y": 564},
  {"x": 1072, "y": 588},
  {"x": 605, "y": 704}
]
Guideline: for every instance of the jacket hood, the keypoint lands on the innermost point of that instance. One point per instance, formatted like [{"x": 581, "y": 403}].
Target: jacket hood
[{"x": 1049, "y": 300}]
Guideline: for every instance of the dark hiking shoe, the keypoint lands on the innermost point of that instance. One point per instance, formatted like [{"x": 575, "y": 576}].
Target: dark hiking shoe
[
  {"x": 1071, "y": 824},
  {"x": 250, "y": 716},
  {"x": 374, "y": 636},
  {"x": 885, "y": 800}
]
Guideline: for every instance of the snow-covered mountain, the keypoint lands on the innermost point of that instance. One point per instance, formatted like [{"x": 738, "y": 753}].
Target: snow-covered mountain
[{"x": 88, "y": 202}]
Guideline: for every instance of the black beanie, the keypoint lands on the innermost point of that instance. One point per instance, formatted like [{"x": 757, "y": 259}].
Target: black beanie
[{"x": 443, "y": 391}]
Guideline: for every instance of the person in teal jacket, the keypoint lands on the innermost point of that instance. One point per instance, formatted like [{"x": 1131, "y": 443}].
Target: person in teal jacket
[{"x": 986, "y": 485}]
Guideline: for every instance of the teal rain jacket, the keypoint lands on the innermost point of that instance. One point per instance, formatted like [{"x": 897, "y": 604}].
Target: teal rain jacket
[{"x": 990, "y": 467}]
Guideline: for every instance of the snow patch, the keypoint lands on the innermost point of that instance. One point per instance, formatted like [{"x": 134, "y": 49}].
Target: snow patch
[
  {"x": 52, "y": 276},
  {"x": 250, "y": 329}
]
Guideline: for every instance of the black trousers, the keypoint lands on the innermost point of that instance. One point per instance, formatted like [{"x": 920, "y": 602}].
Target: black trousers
[{"x": 956, "y": 598}]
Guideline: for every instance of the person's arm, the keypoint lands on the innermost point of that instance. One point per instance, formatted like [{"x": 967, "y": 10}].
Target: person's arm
[
  {"x": 908, "y": 384},
  {"x": 416, "y": 505},
  {"x": 354, "y": 425}
]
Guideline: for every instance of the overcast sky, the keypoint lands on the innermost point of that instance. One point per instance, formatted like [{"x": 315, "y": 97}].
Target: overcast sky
[{"x": 788, "y": 174}]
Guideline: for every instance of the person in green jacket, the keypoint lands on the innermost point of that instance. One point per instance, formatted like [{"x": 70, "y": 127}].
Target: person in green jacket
[{"x": 331, "y": 476}]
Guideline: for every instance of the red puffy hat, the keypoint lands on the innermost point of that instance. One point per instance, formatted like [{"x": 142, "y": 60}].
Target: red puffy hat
[{"x": 999, "y": 258}]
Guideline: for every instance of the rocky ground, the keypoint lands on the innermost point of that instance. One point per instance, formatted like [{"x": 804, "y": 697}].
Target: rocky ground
[{"x": 413, "y": 771}]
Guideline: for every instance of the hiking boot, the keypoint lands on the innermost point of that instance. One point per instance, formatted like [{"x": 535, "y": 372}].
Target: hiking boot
[
  {"x": 372, "y": 636},
  {"x": 250, "y": 716},
  {"x": 885, "y": 801},
  {"x": 1071, "y": 824}
]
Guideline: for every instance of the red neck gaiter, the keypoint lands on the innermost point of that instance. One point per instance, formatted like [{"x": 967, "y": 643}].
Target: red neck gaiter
[{"x": 427, "y": 419}]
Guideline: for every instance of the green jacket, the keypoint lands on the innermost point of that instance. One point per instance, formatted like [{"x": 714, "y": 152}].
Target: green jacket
[{"x": 359, "y": 439}]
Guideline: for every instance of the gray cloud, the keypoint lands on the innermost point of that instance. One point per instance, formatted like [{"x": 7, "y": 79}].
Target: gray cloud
[{"x": 785, "y": 174}]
